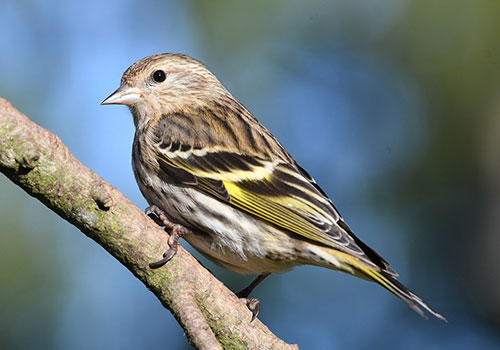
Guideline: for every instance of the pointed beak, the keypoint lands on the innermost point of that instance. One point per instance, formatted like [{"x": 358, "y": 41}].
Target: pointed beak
[{"x": 124, "y": 95}]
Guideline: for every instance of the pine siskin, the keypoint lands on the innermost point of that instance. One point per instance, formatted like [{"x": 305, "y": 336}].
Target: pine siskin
[{"x": 220, "y": 179}]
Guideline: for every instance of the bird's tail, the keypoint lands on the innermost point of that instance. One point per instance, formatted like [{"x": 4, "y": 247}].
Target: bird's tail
[
  {"x": 390, "y": 283},
  {"x": 385, "y": 276}
]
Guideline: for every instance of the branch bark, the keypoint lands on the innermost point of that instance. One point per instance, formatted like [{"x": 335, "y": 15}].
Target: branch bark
[{"x": 210, "y": 314}]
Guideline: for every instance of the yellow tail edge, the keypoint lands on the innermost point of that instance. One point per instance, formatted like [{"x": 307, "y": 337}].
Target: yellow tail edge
[{"x": 389, "y": 282}]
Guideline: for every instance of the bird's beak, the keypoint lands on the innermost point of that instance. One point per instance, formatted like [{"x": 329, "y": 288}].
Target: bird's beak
[{"x": 124, "y": 95}]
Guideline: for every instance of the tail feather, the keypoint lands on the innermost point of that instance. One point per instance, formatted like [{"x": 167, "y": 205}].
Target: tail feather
[
  {"x": 368, "y": 270},
  {"x": 401, "y": 291}
]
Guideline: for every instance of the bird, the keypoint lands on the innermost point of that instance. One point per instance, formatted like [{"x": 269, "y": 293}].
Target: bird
[{"x": 214, "y": 175}]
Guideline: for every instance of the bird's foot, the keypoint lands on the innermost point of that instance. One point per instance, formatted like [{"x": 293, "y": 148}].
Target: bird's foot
[
  {"x": 176, "y": 232},
  {"x": 253, "y": 305}
]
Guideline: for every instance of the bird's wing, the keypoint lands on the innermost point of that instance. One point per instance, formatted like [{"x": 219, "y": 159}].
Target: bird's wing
[{"x": 278, "y": 192}]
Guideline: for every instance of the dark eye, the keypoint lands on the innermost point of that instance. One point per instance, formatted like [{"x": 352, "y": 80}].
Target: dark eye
[{"x": 159, "y": 76}]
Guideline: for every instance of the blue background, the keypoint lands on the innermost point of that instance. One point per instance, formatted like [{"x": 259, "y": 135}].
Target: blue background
[{"x": 393, "y": 106}]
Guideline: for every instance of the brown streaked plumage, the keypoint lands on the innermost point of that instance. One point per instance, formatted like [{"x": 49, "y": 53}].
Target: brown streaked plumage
[{"x": 203, "y": 159}]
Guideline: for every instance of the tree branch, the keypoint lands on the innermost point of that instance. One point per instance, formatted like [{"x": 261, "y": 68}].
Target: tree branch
[{"x": 210, "y": 314}]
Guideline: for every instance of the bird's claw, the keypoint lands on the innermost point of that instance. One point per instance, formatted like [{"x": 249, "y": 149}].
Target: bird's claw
[
  {"x": 253, "y": 305},
  {"x": 176, "y": 232}
]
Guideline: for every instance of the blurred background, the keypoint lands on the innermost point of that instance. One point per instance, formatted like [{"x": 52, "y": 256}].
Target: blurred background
[{"x": 393, "y": 106}]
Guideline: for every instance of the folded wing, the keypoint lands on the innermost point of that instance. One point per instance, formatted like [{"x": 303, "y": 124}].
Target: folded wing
[{"x": 278, "y": 192}]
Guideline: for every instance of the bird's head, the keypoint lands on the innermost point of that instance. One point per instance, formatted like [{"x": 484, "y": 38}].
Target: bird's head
[{"x": 166, "y": 83}]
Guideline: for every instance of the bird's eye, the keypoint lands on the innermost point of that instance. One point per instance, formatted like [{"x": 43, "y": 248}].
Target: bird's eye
[{"x": 159, "y": 76}]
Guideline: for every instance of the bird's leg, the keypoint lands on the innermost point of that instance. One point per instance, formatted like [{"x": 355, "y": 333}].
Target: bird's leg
[
  {"x": 176, "y": 231},
  {"x": 245, "y": 292},
  {"x": 252, "y": 303}
]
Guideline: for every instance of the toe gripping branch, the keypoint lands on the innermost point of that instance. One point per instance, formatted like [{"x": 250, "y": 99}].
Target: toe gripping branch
[
  {"x": 252, "y": 303},
  {"x": 176, "y": 232}
]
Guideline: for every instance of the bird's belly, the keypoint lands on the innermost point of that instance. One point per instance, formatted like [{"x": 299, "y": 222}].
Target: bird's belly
[{"x": 230, "y": 237}]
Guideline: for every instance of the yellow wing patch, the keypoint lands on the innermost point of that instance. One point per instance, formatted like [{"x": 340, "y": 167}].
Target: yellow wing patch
[
  {"x": 222, "y": 165},
  {"x": 279, "y": 210}
]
